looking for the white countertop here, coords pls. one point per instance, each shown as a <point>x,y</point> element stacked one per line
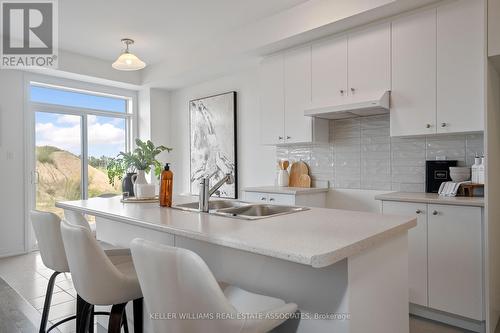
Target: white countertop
<point>431,198</point>
<point>317,237</point>
<point>286,190</point>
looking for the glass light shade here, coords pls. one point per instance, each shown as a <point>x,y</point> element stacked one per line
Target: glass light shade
<point>128,62</point>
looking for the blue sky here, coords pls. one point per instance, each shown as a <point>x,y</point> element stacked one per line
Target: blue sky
<point>106,135</point>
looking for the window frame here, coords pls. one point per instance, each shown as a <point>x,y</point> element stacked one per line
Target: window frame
<point>131,127</point>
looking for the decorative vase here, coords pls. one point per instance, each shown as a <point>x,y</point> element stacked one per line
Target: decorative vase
<point>283,178</point>
<point>142,189</point>
<point>127,185</point>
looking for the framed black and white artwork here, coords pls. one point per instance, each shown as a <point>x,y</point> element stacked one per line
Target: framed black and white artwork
<point>213,142</point>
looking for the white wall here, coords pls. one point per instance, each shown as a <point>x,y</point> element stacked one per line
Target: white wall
<point>256,163</point>
<point>11,162</point>
<point>492,198</point>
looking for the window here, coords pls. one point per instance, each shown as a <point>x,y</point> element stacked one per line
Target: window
<point>76,133</point>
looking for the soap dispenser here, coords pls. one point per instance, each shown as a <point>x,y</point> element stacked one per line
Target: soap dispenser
<point>166,186</point>
<point>475,169</point>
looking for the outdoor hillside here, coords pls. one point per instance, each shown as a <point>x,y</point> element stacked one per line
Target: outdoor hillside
<point>59,178</point>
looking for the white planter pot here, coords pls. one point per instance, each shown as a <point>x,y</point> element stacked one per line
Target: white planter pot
<point>142,189</point>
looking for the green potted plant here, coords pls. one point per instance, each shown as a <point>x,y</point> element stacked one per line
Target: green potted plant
<point>135,165</point>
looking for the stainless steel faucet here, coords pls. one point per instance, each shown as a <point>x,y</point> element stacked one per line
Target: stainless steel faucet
<point>206,192</point>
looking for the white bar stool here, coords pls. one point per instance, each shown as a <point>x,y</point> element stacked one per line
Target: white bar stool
<point>100,280</point>
<point>177,281</point>
<point>47,228</point>
<point>77,218</point>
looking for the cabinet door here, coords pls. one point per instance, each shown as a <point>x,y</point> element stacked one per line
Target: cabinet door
<point>272,100</point>
<point>298,128</point>
<point>460,66</point>
<point>256,197</point>
<point>369,63</point>
<point>413,95</point>
<point>329,72</point>
<point>417,247</point>
<point>455,260</point>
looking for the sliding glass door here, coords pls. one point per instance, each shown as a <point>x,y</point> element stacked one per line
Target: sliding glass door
<point>58,149</point>
<point>75,134</point>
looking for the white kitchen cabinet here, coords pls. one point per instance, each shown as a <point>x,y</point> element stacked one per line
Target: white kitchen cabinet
<point>460,66</point>
<point>413,95</point>
<point>297,76</point>
<point>286,196</point>
<point>272,100</point>
<point>417,247</point>
<point>456,260</point>
<point>285,81</point>
<point>342,71</point>
<point>329,72</point>
<point>369,63</point>
<point>438,70</point>
<point>445,258</point>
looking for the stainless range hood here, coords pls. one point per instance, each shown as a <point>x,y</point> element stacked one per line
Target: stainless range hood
<point>351,110</point>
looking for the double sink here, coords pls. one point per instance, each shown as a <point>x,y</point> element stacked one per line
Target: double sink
<point>241,209</point>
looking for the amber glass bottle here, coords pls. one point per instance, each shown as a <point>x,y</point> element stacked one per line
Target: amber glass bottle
<point>166,186</point>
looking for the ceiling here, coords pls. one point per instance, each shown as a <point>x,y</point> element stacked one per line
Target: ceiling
<point>162,29</point>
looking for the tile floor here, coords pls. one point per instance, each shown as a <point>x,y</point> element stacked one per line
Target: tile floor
<point>29,277</point>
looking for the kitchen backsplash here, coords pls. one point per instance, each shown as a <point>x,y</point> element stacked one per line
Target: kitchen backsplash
<point>362,155</point>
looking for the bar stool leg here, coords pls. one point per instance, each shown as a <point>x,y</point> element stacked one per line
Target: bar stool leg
<point>138,315</point>
<point>125,322</point>
<point>84,321</point>
<point>116,318</point>
<point>48,300</point>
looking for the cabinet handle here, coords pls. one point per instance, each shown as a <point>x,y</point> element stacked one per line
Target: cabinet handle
<point>263,198</point>
<point>444,124</point>
<point>428,125</point>
<point>280,138</point>
<point>288,137</point>
<point>342,92</point>
<point>353,90</point>
<point>418,211</point>
<point>435,212</point>
<point>271,199</point>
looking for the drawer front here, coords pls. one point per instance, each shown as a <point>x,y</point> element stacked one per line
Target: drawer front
<point>256,197</point>
<point>281,199</point>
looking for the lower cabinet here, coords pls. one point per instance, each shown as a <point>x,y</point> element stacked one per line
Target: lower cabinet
<point>316,199</point>
<point>417,248</point>
<point>445,257</point>
<point>456,260</point>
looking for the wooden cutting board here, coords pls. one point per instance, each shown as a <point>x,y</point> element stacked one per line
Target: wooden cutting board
<point>304,181</point>
<point>298,171</point>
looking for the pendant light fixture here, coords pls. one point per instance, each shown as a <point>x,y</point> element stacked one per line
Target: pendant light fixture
<point>128,61</point>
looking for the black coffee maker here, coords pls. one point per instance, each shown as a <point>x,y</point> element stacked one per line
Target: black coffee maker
<point>437,172</point>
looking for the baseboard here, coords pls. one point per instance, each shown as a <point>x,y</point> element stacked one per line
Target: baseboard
<point>448,318</point>
<point>12,254</point>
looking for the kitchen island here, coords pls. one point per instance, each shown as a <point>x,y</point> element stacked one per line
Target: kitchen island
<point>347,271</point>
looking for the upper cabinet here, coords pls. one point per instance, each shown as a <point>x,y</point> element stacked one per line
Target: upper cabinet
<point>438,70</point>
<point>285,83</point>
<point>460,66</point>
<point>272,100</point>
<point>351,68</point>
<point>369,62</point>
<point>413,95</point>
<point>432,61</point>
<point>329,72</point>
<point>297,76</point>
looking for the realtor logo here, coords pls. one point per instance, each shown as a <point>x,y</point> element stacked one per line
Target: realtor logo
<point>29,34</point>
